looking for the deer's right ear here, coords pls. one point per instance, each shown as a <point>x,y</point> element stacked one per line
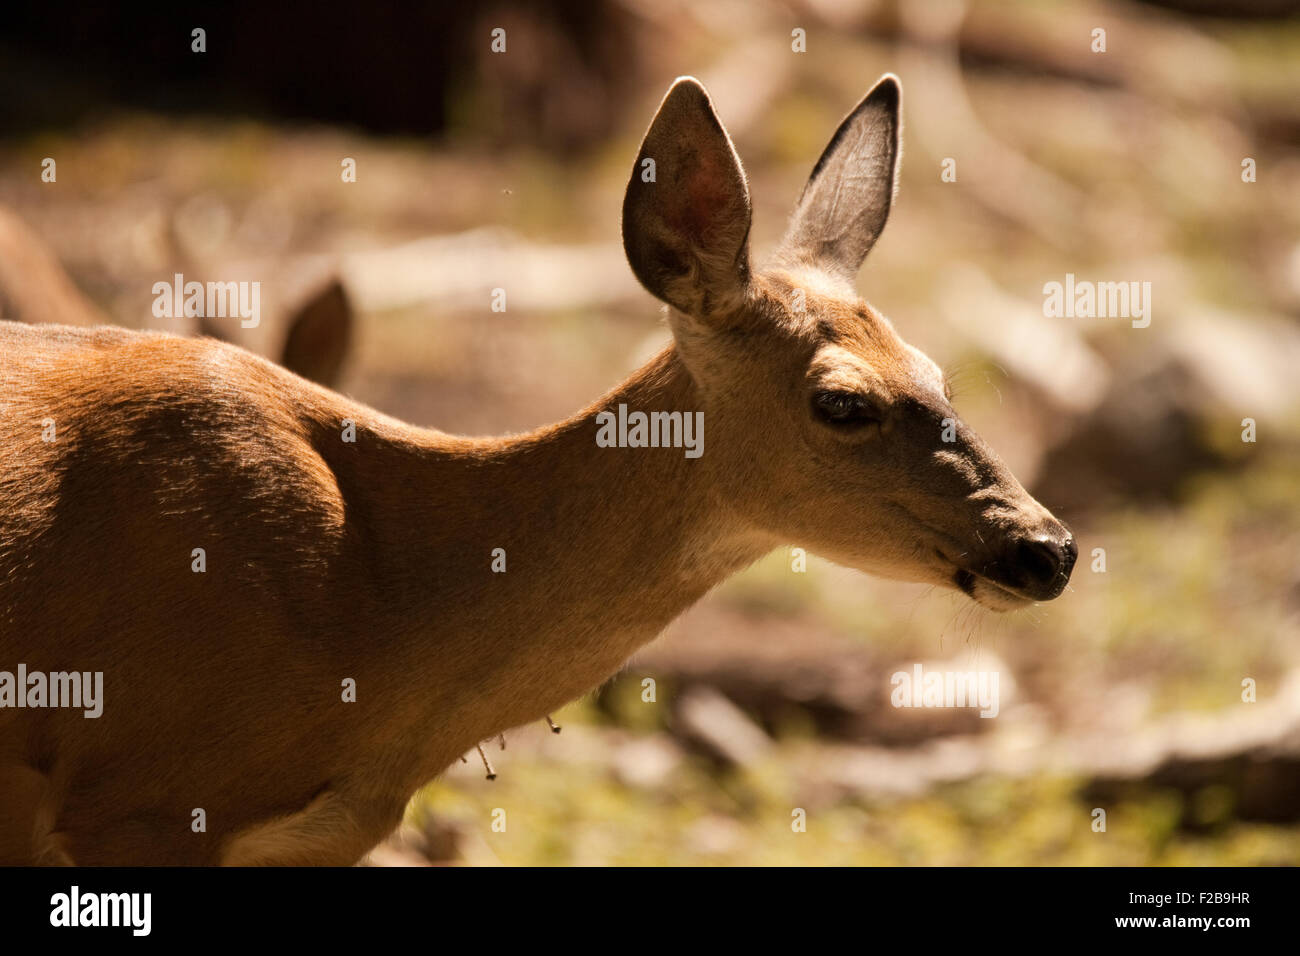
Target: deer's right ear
<point>686,214</point>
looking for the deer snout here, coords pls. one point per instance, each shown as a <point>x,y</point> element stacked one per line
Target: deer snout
<point>1039,565</point>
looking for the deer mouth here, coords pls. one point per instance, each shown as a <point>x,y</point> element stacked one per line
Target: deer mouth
<point>965,582</point>
<point>988,593</point>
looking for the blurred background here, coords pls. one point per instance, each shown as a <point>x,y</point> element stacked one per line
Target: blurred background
<point>1162,688</point>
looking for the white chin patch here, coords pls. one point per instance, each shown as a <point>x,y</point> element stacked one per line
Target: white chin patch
<point>989,595</point>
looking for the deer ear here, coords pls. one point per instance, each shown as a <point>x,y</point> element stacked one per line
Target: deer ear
<point>319,335</point>
<point>686,214</point>
<point>846,201</point>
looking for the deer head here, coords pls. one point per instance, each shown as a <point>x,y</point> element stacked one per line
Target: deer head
<point>825,428</point>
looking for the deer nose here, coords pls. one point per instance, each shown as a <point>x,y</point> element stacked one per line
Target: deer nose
<point>1040,566</point>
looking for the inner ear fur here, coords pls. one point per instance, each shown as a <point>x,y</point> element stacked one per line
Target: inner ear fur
<point>847,199</point>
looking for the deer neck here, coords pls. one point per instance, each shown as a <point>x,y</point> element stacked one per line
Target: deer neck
<point>601,548</point>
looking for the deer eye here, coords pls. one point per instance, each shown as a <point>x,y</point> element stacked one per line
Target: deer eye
<point>844,409</point>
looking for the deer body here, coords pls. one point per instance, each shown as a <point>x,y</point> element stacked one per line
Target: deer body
<point>324,560</point>
<point>373,560</point>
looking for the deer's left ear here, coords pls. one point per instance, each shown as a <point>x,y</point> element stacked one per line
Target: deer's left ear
<point>686,214</point>
<point>846,202</point>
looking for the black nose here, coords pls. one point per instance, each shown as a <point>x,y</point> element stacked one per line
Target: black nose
<point>1040,566</point>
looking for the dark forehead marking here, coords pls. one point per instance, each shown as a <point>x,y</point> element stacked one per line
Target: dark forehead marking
<point>840,319</point>
<point>858,322</point>
<point>845,320</point>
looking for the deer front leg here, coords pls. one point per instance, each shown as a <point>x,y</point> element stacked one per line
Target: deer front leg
<point>325,833</point>
<point>27,820</point>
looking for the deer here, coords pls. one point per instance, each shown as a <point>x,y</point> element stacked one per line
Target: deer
<point>313,339</point>
<point>454,587</point>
